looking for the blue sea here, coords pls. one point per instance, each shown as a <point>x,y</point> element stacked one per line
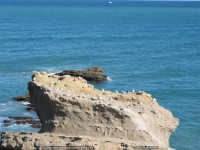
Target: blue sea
<point>150,46</point>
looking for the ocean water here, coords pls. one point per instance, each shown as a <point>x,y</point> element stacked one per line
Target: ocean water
<point>150,46</point>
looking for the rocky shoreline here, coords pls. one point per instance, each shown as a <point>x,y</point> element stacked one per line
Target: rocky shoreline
<point>74,113</point>
<point>35,123</point>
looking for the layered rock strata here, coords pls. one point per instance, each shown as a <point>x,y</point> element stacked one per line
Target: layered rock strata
<point>67,106</point>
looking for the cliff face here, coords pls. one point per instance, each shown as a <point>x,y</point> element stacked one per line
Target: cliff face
<point>69,106</point>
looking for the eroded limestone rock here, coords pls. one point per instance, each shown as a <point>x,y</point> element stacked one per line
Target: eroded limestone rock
<point>69,106</point>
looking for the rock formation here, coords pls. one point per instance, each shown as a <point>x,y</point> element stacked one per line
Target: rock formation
<point>74,113</point>
<point>25,97</point>
<point>93,74</point>
<point>35,123</point>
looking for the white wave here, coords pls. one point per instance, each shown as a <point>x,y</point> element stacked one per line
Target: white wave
<point>109,79</point>
<point>50,69</point>
<point>25,103</point>
<point>3,118</point>
<point>2,104</point>
<point>57,69</point>
<point>31,114</point>
<point>17,126</point>
<point>7,104</point>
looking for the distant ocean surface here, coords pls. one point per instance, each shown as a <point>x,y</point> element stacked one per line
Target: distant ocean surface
<point>150,46</point>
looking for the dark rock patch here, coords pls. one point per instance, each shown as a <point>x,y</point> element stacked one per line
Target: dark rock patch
<point>25,97</point>
<point>30,107</point>
<point>93,74</point>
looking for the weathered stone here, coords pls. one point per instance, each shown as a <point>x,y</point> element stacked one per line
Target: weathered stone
<point>39,141</point>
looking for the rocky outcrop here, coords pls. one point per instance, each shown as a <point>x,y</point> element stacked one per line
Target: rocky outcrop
<point>25,97</point>
<point>93,74</point>
<point>68,107</point>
